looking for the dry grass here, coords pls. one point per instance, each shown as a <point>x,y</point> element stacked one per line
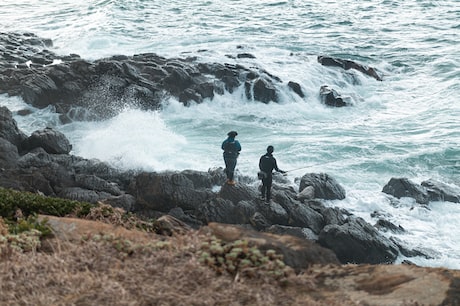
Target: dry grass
<point>105,270</point>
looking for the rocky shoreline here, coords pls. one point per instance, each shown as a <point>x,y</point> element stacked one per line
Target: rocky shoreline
<point>42,162</point>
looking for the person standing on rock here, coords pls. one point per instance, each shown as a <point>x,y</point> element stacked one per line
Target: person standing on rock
<point>231,149</point>
<point>267,164</point>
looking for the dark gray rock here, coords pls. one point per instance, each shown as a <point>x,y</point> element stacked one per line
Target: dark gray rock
<point>52,141</point>
<point>82,195</point>
<point>8,154</point>
<point>39,90</point>
<point>273,212</point>
<point>347,64</point>
<point>304,233</point>
<point>164,191</point>
<point>244,210</point>
<point>259,222</point>
<point>426,253</point>
<point>125,201</point>
<point>9,128</point>
<point>261,89</point>
<point>214,177</point>
<point>358,242</point>
<point>332,215</point>
<point>326,187</point>
<point>100,85</point>
<point>296,88</point>
<point>300,214</point>
<point>331,97</point>
<point>218,210</point>
<point>95,183</point>
<point>403,187</point>
<point>385,225</point>
<point>189,218</point>
<point>439,191</point>
<point>237,193</point>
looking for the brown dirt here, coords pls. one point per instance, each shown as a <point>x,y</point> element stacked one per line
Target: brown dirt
<point>70,270</point>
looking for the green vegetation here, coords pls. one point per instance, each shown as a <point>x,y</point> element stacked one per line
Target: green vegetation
<point>240,257</point>
<point>31,223</point>
<point>29,203</point>
<point>19,225</point>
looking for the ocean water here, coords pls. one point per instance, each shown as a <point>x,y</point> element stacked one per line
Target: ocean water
<point>405,126</point>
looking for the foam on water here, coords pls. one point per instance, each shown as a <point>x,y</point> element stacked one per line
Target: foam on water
<point>133,139</point>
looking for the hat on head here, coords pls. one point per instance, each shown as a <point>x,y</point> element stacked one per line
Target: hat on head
<point>232,133</point>
<point>270,149</point>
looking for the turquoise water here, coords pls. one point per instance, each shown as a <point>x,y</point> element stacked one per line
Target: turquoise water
<point>405,126</point>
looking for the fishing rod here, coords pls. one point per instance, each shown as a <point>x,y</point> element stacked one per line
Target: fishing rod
<point>297,169</point>
<point>320,164</point>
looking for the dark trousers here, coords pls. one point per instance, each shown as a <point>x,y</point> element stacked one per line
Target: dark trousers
<point>267,186</point>
<point>230,164</point>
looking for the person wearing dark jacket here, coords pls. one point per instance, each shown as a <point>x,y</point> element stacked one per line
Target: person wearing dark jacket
<point>267,164</point>
<point>231,149</point>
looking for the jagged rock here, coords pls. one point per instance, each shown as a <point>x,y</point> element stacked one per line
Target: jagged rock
<point>244,210</point>
<point>80,194</point>
<point>218,210</point>
<point>189,219</point>
<point>100,85</point>
<point>308,193</point>
<point>262,90</point>
<point>39,90</point>
<point>300,214</point>
<point>125,201</point>
<point>237,193</point>
<point>34,181</point>
<point>259,222</point>
<point>35,158</point>
<point>439,191</point>
<point>164,191</point>
<point>326,187</point>
<point>273,212</point>
<point>331,215</point>
<point>403,187</point>
<point>52,141</point>
<point>38,165</point>
<point>9,128</point>
<point>213,177</point>
<point>385,225</point>
<point>304,233</point>
<point>245,55</point>
<point>96,183</point>
<point>347,64</point>
<point>358,242</point>
<point>331,97</point>
<point>422,252</point>
<point>296,88</point>
<point>8,154</point>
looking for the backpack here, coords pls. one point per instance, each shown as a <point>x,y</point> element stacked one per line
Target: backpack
<point>230,147</point>
<point>266,163</point>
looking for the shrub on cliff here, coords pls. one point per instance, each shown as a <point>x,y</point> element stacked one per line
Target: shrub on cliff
<point>12,201</point>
